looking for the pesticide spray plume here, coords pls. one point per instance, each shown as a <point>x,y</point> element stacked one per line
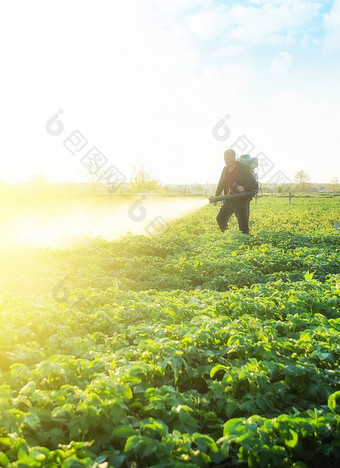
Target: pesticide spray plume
<point>79,223</point>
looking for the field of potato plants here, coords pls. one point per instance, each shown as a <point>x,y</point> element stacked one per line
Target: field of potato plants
<point>190,348</point>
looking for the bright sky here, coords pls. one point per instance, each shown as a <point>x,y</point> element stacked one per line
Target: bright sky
<point>150,82</point>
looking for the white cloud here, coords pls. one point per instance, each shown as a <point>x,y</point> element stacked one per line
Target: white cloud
<point>281,62</point>
<point>332,28</point>
<point>269,22</point>
<point>230,51</point>
<point>210,23</point>
<point>175,7</point>
<point>259,25</point>
<point>134,79</point>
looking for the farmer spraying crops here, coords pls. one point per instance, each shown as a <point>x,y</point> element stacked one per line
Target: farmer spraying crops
<point>239,183</point>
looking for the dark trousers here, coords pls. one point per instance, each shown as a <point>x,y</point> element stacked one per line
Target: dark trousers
<point>240,208</point>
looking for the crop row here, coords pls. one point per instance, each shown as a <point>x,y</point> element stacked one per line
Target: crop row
<point>190,348</point>
<point>149,376</point>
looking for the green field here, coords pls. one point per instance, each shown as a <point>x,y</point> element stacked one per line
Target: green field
<point>189,348</point>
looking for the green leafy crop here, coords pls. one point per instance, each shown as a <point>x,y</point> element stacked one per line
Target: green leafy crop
<point>189,349</point>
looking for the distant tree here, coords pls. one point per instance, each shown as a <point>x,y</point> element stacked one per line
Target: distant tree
<point>94,179</point>
<point>284,188</point>
<point>197,187</point>
<point>334,186</point>
<point>93,175</point>
<point>38,179</point>
<point>302,181</point>
<point>182,189</point>
<point>164,190</point>
<point>141,181</point>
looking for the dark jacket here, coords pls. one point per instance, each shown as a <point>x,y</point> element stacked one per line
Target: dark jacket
<point>245,177</point>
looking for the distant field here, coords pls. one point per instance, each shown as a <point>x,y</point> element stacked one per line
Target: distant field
<point>184,348</point>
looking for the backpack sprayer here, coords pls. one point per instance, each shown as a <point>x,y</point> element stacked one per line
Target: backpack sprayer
<point>252,164</point>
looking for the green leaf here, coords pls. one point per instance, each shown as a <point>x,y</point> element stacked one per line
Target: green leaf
<point>308,276</point>
<point>156,426</point>
<point>116,459</point>
<point>332,402</point>
<point>234,427</point>
<point>28,389</point>
<point>217,368</point>
<point>293,441</point>
<point>335,449</point>
<point>189,423</point>
<point>123,431</point>
<point>101,458</point>
<point>149,448</point>
<point>3,459</point>
<point>55,435</point>
<point>117,413</point>
<point>32,420</point>
<point>204,442</point>
<point>22,453</point>
<point>6,441</point>
<point>132,443</point>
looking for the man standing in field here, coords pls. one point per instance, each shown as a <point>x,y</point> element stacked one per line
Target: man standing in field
<point>236,177</point>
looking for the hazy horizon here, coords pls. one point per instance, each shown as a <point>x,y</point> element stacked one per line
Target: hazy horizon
<point>163,184</point>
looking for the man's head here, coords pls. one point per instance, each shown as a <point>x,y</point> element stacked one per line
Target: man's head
<point>229,157</point>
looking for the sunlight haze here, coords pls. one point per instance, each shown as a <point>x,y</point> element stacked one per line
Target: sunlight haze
<point>147,82</point>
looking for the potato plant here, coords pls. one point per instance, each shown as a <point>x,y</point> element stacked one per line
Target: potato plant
<point>187,349</point>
